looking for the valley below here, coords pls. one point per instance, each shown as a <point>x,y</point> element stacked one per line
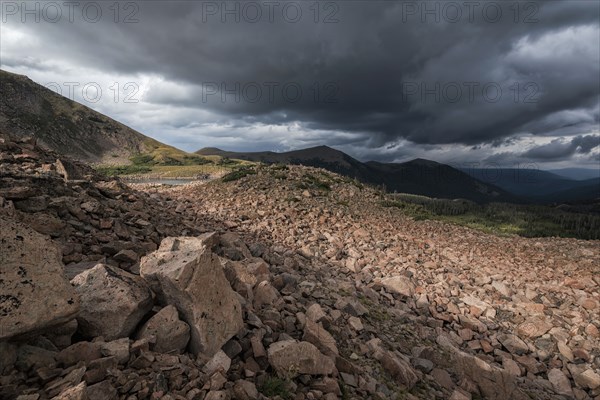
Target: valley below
<point>276,282</point>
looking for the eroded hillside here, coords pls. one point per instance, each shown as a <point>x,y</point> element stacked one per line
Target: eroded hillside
<point>70,128</point>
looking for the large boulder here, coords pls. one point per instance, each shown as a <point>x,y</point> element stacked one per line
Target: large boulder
<point>233,247</point>
<point>184,272</point>
<point>290,358</point>
<point>34,291</point>
<point>171,334</point>
<point>113,301</point>
<point>401,285</point>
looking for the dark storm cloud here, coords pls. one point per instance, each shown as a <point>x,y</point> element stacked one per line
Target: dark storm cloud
<point>383,71</point>
<point>559,149</point>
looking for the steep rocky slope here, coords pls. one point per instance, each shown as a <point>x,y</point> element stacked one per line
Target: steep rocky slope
<point>92,217</point>
<point>289,283</point>
<point>70,128</point>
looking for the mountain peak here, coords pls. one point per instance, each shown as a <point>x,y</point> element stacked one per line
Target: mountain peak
<point>321,147</point>
<point>424,162</point>
<point>210,149</point>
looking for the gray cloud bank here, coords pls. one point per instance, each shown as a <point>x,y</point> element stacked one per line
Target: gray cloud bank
<point>383,79</point>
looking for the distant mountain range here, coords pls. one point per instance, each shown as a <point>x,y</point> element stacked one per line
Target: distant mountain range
<point>423,177</point>
<point>433,179</point>
<point>578,174</point>
<point>540,186</point>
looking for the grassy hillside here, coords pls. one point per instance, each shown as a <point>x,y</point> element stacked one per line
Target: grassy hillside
<point>168,162</point>
<point>502,218</point>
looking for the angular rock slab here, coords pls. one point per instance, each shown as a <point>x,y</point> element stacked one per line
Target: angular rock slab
<point>560,382</point>
<point>493,382</point>
<point>78,392</point>
<point>290,358</point>
<point>401,285</point>
<point>184,272</point>
<point>113,301</point>
<point>172,334</point>
<point>315,333</point>
<point>398,368</point>
<point>513,344</point>
<point>35,294</point>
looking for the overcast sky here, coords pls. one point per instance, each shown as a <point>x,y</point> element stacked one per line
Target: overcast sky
<point>497,83</point>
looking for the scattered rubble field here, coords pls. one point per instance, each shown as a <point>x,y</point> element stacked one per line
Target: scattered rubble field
<point>284,283</point>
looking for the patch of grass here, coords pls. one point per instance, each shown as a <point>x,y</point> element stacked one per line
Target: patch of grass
<point>238,174</point>
<point>416,211</point>
<point>274,386</point>
<point>168,158</point>
<point>162,171</point>
<point>227,161</point>
<point>279,167</point>
<point>277,171</point>
<point>123,170</point>
<point>378,314</point>
<point>143,159</point>
<point>166,171</point>
<point>311,181</point>
<point>344,391</point>
<point>156,153</point>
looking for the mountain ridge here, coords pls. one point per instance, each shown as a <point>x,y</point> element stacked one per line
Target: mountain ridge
<point>419,176</point>
<point>537,185</point>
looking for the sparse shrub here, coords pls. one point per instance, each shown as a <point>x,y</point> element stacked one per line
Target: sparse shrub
<point>227,161</point>
<point>314,182</point>
<point>279,167</point>
<point>274,386</point>
<point>238,174</point>
<point>195,160</point>
<point>170,161</point>
<point>143,159</point>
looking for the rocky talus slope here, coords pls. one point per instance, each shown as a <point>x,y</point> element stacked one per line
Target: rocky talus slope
<point>286,284</point>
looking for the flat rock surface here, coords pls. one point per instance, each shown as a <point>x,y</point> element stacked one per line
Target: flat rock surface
<point>35,293</point>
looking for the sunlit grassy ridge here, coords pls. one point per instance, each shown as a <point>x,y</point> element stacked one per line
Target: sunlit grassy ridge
<point>164,161</point>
